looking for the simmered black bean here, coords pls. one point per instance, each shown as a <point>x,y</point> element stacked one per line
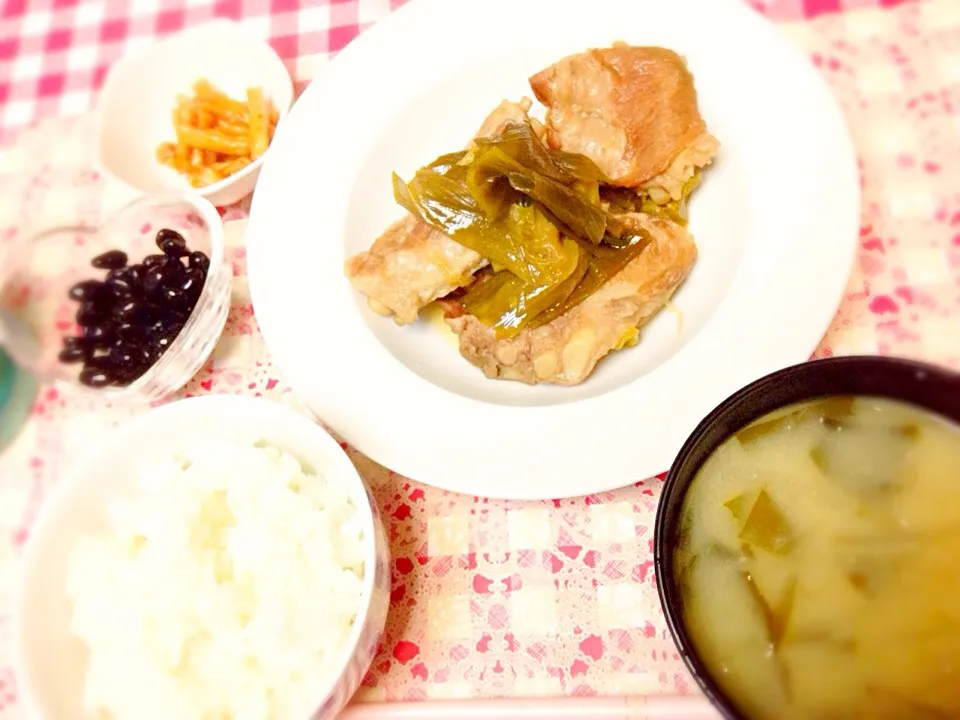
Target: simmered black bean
<point>84,290</point>
<point>173,271</point>
<point>199,260</point>
<point>89,313</point>
<point>192,283</point>
<point>72,355</point>
<point>74,343</point>
<point>126,312</point>
<point>99,335</point>
<point>166,340</point>
<point>110,260</point>
<point>171,243</point>
<point>144,316</point>
<point>133,316</point>
<point>174,296</point>
<point>135,275</point>
<point>96,377</point>
<point>152,281</point>
<point>129,334</point>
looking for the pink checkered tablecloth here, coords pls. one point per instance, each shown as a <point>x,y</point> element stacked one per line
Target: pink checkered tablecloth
<point>504,598</point>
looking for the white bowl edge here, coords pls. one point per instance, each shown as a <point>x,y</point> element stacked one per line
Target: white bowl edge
<point>241,183</point>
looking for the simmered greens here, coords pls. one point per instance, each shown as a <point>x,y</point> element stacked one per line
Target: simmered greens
<point>534,213</point>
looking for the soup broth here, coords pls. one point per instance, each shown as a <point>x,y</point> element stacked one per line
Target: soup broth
<point>819,563</point>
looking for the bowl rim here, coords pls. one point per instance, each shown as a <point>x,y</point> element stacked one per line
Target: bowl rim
<point>218,265</point>
<point>84,472</point>
<point>910,381</point>
<point>216,24</point>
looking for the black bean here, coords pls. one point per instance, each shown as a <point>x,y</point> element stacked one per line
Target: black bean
<point>116,297</point>
<point>171,243</point>
<point>105,297</point>
<point>129,334</point>
<point>100,335</point>
<point>172,249</point>
<point>192,284</point>
<point>157,328</point>
<point>126,312</point>
<point>73,342</point>
<point>110,260</point>
<point>167,233</point>
<point>72,355</point>
<point>174,297</point>
<point>199,260</point>
<point>129,362</point>
<point>90,313</point>
<point>135,275</point>
<point>166,340</point>
<point>95,376</point>
<point>152,281</point>
<point>143,316</point>
<point>151,260</point>
<point>119,280</point>
<point>84,290</point>
<point>173,272</point>
<point>121,358</point>
<point>143,356</point>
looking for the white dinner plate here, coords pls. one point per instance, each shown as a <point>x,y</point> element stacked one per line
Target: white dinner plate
<point>775,221</point>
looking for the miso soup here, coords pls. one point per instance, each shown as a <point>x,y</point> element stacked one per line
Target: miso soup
<point>819,563</point>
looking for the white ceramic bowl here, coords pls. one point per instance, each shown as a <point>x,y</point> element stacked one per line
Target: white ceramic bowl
<point>50,662</point>
<point>140,93</point>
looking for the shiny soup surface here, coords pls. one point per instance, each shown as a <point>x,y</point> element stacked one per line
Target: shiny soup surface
<point>819,563</point>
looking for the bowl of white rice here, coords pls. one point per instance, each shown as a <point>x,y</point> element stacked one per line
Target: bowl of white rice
<point>217,557</point>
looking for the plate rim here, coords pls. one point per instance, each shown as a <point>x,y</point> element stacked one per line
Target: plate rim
<point>485,474</point>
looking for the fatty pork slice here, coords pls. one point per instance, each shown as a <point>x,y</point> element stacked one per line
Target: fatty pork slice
<point>412,264</point>
<point>632,110</point>
<point>566,350</point>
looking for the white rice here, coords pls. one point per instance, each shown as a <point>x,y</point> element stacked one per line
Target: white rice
<point>226,590</point>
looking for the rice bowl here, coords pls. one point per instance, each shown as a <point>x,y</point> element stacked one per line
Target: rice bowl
<point>145,571</point>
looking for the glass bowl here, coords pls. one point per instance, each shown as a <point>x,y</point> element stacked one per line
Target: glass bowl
<point>39,310</point>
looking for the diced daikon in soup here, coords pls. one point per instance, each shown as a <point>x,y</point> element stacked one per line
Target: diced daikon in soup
<point>819,563</point>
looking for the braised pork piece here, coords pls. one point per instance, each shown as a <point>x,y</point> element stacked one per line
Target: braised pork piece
<point>566,350</point>
<point>550,245</point>
<point>412,264</point>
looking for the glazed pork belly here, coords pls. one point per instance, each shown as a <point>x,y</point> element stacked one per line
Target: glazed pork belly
<point>633,111</point>
<point>412,264</point>
<point>566,350</point>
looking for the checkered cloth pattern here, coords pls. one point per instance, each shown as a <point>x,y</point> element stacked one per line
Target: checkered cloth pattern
<point>510,598</point>
<point>54,54</point>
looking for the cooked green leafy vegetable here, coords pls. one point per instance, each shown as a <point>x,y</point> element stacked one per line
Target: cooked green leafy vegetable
<point>583,219</point>
<point>766,527</point>
<point>776,619</point>
<point>535,214</point>
<point>737,506</point>
<point>451,163</point>
<point>507,302</point>
<point>446,203</point>
<point>834,411</point>
<point>519,142</point>
<point>605,262</point>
